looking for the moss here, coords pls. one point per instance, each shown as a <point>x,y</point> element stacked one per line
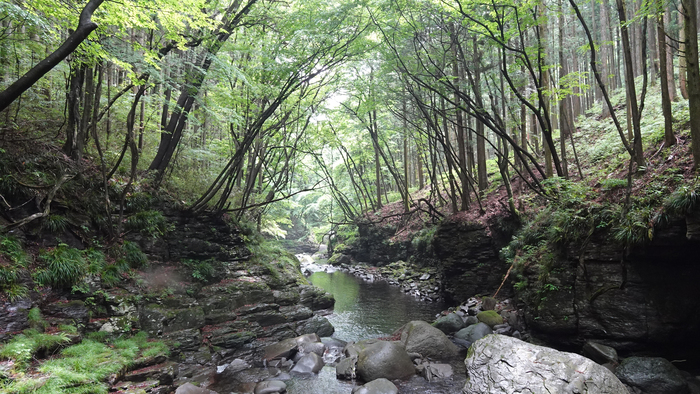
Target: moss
<point>492,318</point>
<point>84,368</point>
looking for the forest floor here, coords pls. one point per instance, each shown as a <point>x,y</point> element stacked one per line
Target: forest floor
<point>605,171</point>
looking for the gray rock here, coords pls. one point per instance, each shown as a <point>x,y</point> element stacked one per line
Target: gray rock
<point>270,387</point>
<point>281,349</point>
<point>600,353</point>
<point>499,364</point>
<point>434,371</point>
<point>377,386</point>
<point>488,303</point>
<point>381,359</point>
<point>312,347</point>
<point>653,375</point>
<point>310,363</point>
<point>316,325</point>
<point>470,320</point>
<point>74,310</point>
<point>333,343</point>
<point>315,298</point>
<point>420,337</point>
<point>449,324</point>
<point>308,338</point>
<point>283,376</point>
<point>234,366</point>
<point>189,388</point>
<point>345,370</point>
<point>474,332</point>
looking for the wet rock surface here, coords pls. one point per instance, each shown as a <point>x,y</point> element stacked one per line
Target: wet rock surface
<point>644,301</point>
<point>652,375</point>
<point>499,364</point>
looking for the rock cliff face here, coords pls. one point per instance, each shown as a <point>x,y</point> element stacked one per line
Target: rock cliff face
<point>465,255</point>
<point>648,298</point>
<point>641,299</point>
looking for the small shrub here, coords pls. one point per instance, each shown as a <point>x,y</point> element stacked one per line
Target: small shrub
<point>11,247</point>
<point>140,201</point>
<point>133,255</point>
<point>635,228</point>
<point>202,271</point>
<point>55,224</point>
<point>685,200</point>
<point>96,260</point>
<point>63,267</point>
<point>151,223</point>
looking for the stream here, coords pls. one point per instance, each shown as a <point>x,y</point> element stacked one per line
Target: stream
<point>364,310</point>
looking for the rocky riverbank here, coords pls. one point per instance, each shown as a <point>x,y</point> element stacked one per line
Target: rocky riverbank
<point>424,283</point>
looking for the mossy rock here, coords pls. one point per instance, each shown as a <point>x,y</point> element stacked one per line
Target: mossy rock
<point>491,318</point>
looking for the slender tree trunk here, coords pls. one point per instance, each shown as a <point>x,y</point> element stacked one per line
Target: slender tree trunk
<point>673,95</point>
<point>565,113</point>
<point>669,138</point>
<point>693,77</point>
<point>682,73</point>
<point>480,132</point>
<point>631,90</point>
<point>74,139</point>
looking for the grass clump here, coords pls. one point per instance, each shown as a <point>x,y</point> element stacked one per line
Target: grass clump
<point>63,266</point>
<point>85,367</point>
<point>23,347</point>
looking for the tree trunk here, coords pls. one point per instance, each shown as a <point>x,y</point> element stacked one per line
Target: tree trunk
<point>565,113</point>
<point>693,77</point>
<point>682,73</point>
<point>480,132</point>
<point>631,90</point>
<point>673,95</point>
<point>85,27</point>
<point>73,146</point>
<point>669,138</point>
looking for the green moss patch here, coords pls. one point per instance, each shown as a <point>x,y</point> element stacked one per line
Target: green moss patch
<point>81,368</point>
<point>492,318</point>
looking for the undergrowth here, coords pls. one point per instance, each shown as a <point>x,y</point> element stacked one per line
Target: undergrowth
<point>80,368</point>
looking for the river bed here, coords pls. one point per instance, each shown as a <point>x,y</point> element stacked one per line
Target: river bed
<point>363,310</point>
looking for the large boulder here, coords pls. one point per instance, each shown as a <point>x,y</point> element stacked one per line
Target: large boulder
<point>449,324</point>
<point>420,337</point>
<point>500,364</point>
<point>652,375</point>
<point>381,359</point>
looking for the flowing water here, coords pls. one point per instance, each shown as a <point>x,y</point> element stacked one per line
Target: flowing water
<point>367,310</point>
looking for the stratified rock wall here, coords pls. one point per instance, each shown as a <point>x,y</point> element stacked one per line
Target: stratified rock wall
<point>464,254</point>
<point>647,298</point>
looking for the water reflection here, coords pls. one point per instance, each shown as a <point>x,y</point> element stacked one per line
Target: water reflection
<point>370,309</point>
